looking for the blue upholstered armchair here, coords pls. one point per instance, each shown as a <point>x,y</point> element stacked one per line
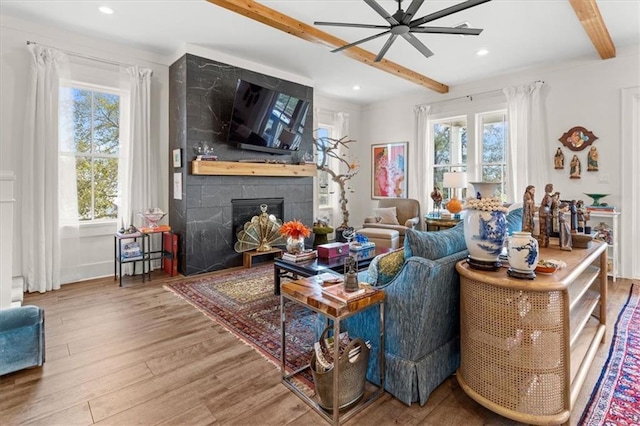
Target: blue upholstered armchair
<point>421,313</point>
<point>21,338</point>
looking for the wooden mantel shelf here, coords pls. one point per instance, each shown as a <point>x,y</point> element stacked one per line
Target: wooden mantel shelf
<point>231,168</point>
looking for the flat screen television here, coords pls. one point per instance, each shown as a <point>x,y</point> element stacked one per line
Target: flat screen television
<point>266,120</point>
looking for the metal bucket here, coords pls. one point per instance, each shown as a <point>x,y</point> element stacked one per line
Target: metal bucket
<point>351,381</point>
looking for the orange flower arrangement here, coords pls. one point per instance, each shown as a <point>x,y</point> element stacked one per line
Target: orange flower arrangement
<point>295,229</point>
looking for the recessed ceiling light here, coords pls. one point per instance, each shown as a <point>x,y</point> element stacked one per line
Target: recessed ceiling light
<point>106,10</point>
<point>356,87</point>
<point>482,52</point>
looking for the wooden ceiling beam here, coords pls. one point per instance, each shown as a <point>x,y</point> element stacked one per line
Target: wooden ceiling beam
<point>589,15</point>
<point>275,19</point>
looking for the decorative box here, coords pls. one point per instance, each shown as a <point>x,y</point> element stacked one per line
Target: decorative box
<point>333,250</point>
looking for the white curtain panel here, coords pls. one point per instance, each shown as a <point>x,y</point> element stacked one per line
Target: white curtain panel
<point>40,180</point>
<point>141,171</point>
<point>421,170</point>
<point>527,146</point>
<point>140,191</point>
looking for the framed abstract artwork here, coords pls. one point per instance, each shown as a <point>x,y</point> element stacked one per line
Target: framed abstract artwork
<point>389,170</point>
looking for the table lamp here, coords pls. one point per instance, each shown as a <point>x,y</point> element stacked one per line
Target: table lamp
<point>454,180</point>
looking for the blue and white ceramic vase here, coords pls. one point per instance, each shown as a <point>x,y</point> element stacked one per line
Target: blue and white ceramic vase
<point>523,253</point>
<point>485,233</point>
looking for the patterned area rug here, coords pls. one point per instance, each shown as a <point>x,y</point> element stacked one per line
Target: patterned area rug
<point>243,302</point>
<point>616,397</point>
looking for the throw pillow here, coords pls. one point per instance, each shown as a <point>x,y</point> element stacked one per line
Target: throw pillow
<point>387,215</point>
<point>514,220</point>
<point>435,245</point>
<point>385,267</point>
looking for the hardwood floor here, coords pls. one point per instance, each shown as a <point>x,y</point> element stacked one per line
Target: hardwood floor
<point>140,355</point>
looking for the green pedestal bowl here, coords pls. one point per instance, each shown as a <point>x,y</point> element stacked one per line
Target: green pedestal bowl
<point>596,198</point>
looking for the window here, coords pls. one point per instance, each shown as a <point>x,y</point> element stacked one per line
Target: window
<point>494,144</point>
<point>324,180</point>
<point>480,152</point>
<point>90,134</point>
<point>450,148</point>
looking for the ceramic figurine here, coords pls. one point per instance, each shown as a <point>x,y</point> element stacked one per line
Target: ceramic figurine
<point>576,168</point>
<point>565,231</point>
<point>558,159</point>
<point>555,213</point>
<point>573,208</point>
<point>592,160</point>
<point>544,215</point>
<point>436,196</point>
<point>583,216</point>
<point>528,206</point>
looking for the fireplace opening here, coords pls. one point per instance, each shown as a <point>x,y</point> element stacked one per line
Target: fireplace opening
<point>243,209</point>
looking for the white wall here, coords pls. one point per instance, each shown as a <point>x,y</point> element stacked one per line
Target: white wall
<point>97,241</point>
<point>580,93</point>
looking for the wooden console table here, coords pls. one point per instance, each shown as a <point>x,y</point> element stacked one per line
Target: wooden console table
<point>526,345</point>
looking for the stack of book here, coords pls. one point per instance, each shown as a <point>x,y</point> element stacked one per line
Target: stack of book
<point>131,251</point>
<point>207,157</point>
<point>338,293</point>
<point>602,209</point>
<point>362,246</point>
<point>299,257</point>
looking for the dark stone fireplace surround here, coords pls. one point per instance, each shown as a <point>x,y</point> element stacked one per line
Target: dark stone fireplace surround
<point>201,93</point>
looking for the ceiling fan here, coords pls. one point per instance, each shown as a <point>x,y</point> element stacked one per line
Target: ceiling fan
<point>402,24</point>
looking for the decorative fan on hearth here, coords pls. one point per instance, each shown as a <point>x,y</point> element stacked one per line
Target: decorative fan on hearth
<point>261,233</point>
<point>402,24</point>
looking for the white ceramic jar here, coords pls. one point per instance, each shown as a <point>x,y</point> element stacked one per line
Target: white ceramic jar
<point>523,253</point>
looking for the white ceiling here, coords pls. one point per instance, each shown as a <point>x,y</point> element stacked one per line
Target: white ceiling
<point>518,34</point>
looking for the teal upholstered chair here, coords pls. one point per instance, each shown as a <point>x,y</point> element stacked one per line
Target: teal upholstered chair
<point>21,338</point>
<point>421,313</point>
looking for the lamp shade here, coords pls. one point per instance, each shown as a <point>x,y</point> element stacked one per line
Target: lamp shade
<point>454,180</point>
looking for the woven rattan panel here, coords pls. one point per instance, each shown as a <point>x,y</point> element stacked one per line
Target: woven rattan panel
<point>518,346</point>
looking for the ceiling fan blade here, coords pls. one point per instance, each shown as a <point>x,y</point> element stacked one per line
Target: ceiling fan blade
<point>380,10</point>
<point>446,12</point>
<point>345,24</point>
<point>355,43</point>
<point>418,44</point>
<point>411,11</point>
<point>446,30</point>
<point>386,47</point>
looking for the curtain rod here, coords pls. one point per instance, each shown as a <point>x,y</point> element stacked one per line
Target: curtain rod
<point>80,55</point>
<point>470,97</point>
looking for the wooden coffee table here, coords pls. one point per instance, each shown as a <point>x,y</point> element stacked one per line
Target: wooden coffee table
<point>309,268</point>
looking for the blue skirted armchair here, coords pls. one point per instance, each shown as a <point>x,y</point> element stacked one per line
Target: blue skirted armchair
<point>21,338</point>
<point>421,313</point>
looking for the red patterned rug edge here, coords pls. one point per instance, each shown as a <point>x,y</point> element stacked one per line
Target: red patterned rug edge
<point>598,407</point>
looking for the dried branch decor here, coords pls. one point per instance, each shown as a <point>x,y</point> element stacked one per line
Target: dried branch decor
<point>330,148</point>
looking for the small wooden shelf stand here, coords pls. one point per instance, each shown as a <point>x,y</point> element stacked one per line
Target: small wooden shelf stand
<point>308,292</point>
<point>161,254</point>
<point>247,256</point>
